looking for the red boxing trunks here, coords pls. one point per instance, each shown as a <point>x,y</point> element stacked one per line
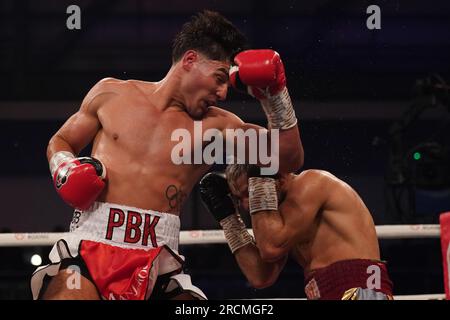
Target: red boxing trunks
<point>125,251</point>
<point>356,279</point>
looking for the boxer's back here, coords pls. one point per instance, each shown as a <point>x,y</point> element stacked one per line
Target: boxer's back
<point>343,228</point>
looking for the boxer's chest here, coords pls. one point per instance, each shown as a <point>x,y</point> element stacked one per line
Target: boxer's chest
<point>141,129</point>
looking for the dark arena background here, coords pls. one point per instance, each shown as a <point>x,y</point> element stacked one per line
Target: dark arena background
<point>373,108</point>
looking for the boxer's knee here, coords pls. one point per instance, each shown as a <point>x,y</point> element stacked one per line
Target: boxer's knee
<point>184,296</point>
<point>70,286</point>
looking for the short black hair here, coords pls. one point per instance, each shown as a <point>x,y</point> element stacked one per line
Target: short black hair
<point>211,34</point>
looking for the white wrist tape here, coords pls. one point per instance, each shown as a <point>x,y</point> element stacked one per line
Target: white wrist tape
<point>262,194</point>
<point>279,110</point>
<point>235,232</point>
<point>58,158</point>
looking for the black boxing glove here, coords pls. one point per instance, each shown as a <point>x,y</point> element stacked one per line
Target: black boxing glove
<point>215,194</point>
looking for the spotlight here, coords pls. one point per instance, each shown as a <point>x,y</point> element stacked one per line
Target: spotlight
<point>36,260</point>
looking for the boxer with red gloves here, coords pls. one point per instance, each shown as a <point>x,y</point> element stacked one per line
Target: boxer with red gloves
<point>128,194</point>
<point>261,73</point>
<point>79,181</point>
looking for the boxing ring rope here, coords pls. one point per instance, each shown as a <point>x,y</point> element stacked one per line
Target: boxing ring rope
<point>433,296</point>
<point>193,237</point>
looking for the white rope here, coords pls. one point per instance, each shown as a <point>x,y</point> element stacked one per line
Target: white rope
<point>434,296</point>
<point>216,236</point>
<point>408,231</point>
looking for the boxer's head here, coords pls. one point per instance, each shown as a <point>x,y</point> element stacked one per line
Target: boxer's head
<point>204,49</point>
<point>238,182</point>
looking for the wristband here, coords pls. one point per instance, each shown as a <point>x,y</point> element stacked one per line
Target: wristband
<point>262,194</point>
<point>58,158</point>
<point>235,232</point>
<point>279,111</point>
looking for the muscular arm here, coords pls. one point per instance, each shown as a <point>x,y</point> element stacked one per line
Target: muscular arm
<point>79,130</point>
<point>289,154</point>
<point>261,73</point>
<point>214,193</point>
<point>259,273</point>
<point>276,232</point>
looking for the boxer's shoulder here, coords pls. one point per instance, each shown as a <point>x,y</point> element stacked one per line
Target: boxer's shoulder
<point>219,112</point>
<point>109,84</point>
<point>107,88</point>
<point>224,118</point>
<point>103,88</point>
<point>321,182</point>
<point>145,86</point>
<point>313,174</point>
<point>101,92</point>
<point>313,177</point>
<point>118,86</point>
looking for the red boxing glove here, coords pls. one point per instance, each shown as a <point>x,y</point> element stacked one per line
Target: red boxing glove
<point>262,71</point>
<point>79,181</point>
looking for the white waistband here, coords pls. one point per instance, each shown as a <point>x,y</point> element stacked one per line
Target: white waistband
<point>126,226</point>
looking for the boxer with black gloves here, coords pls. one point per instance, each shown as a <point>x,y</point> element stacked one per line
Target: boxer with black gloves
<point>315,217</point>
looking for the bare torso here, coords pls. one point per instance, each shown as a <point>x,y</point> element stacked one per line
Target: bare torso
<point>134,143</point>
<point>342,229</point>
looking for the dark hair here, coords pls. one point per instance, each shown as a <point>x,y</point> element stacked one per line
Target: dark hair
<point>211,34</point>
